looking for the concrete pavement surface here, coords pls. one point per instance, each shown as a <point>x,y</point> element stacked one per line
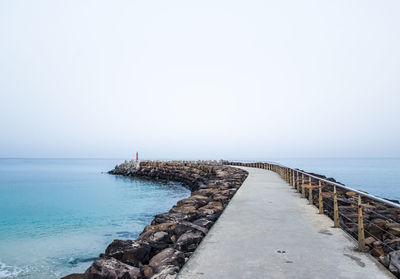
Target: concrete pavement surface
<point>268,231</point>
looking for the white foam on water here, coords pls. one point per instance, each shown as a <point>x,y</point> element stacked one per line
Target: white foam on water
<point>7,271</point>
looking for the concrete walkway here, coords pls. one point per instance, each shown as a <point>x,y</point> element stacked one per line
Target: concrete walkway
<point>267,231</point>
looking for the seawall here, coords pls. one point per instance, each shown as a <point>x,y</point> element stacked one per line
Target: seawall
<point>380,218</point>
<point>168,242</point>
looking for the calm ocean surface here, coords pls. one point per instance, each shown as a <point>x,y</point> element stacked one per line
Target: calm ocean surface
<point>56,215</point>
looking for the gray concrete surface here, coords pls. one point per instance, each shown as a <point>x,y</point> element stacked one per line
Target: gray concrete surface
<point>268,231</point>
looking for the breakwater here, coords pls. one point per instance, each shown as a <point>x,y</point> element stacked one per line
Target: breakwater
<point>373,222</point>
<point>169,241</point>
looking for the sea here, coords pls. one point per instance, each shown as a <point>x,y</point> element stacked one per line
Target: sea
<point>377,176</point>
<point>58,215</point>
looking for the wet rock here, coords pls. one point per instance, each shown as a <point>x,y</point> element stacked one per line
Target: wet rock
<point>183,227</point>
<point>194,200</point>
<point>187,209</point>
<point>394,231</point>
<point>375,228</point>
<point>203,222</point>
<point>174,217</point>
<point>165,227</point>
<point>167,257</point>
<point>112,269</point>
<point>188,241</point>
<point>168,272</point>
<point>156,239</point>
<point>128,251</point>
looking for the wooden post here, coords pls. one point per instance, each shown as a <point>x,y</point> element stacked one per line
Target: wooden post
<point>294,179</point>
<point>286,174</point>
<point>335,209</point>
<point>310,199</point>
<point>298,184</point>
<point>361,238</point>
<point>303,193</point>
<point>320,200</point>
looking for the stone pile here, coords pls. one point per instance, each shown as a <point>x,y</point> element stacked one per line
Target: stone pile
<point>168,242</point>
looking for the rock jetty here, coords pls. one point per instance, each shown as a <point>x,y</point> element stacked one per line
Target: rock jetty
<point>169,241</point>
<point>381,220</point>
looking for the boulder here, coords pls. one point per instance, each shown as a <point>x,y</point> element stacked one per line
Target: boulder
<point>128,251</point>
<point>165,226</point>
<point>376,228</point>
<point>168,272</point>
<point>186,209</point>
<point>165,258</point>
<point>173,217</point>
<point>188,241</point>
<point>194,200</point>
<point>203,222</point>
<point>183,227</point>
<point>110,268</point>
<point>156,239</point>
<point>211,208</point>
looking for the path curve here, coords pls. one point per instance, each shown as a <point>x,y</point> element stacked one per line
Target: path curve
<point>267,231</point>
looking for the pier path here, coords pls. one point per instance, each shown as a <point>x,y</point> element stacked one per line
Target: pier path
<point>267,231</point>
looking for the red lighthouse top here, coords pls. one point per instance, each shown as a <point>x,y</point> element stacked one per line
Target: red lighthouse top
<point>137,156</point>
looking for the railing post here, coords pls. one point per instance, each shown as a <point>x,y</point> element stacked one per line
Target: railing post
<point>303,194</point>
<point>320,201</point>
<point>335,209</point>
<point>310,197</point>
<point>361,238</point>
<point>298,184</point>
<point>294,180</point>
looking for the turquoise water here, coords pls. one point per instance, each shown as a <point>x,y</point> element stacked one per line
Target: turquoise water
<point>378,176</point>
<point>56,215</point>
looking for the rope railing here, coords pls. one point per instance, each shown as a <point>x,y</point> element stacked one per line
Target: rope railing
<point>372,221</point>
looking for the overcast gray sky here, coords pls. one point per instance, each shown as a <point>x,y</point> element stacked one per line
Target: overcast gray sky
<point>199,79</point>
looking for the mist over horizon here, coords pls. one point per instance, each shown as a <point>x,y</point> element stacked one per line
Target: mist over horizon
<point>205,80</point>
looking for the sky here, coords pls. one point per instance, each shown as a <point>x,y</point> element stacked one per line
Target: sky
<point>199,79</point>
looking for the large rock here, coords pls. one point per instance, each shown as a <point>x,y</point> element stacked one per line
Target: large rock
<point>174,217</point>
<point>194,200</point>
<point>156,239</point>
<point>168,272</point>
<point>164,226</point>
<point>130,252</point>
<point>112,269</point>
<point>183,227</point>
<point>203,222</point>
<point>188,241</point>
<point>211,208</point>
<point>165,258</point>
<point>186,209</point>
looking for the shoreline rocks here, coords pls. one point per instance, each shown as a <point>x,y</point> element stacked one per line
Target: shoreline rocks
<point>168,242</point>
